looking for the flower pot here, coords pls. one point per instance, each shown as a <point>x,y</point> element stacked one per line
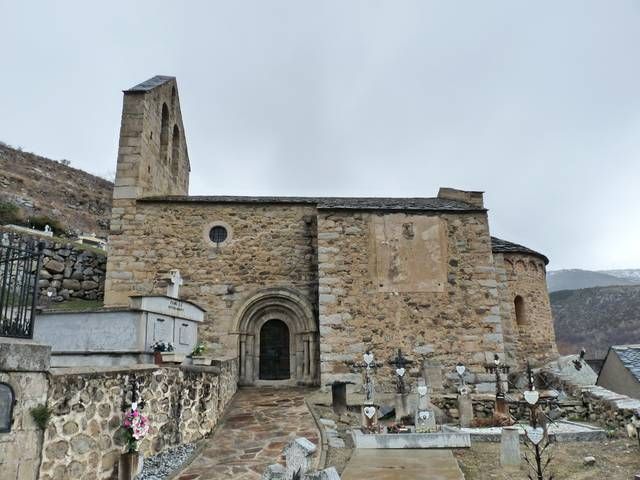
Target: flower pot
<point>200,360</point>
<point>130,465</point>
<point>172,357</point>
<point>157,358</point>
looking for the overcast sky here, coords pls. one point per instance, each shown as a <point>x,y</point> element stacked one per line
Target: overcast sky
<point>536,103</point>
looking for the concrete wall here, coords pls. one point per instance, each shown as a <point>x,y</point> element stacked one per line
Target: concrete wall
<point>454,318</point>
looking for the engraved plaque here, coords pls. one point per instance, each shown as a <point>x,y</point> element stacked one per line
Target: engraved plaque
<point>6,407</point>
<point>185,334</point>
<point>162,330</point>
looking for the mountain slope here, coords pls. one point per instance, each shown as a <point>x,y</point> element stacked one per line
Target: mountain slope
<point>575,278</point>
<point>596,318</point>
<point>628,273</point>
<point>38,186</point>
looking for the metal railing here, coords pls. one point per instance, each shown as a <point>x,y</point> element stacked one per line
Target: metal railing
<point>20,262</point>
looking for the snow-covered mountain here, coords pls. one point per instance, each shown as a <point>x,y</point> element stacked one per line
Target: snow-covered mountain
<point>628,273</point>
<point>575,279</point>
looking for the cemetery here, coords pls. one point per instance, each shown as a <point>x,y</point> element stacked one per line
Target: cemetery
<point>289,338</point>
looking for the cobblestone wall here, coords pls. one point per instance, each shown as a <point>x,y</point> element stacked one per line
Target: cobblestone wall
<point>83,439</point>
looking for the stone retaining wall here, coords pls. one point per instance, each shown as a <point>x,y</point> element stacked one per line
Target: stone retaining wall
<point>83,439</point>
<point>609,409</point>
<point>68,270</point>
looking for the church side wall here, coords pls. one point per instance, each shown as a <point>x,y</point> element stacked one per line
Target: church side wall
<point>529,335</point>
<point>269,246</point>
<point>359,312</point>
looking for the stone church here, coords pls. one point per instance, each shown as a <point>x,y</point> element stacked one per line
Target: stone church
<point>299,288</point>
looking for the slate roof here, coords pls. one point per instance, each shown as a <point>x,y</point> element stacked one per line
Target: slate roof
<point>502,246</point>
<point>629,355</point>
<point>150,84</point>
<point>336,203</point>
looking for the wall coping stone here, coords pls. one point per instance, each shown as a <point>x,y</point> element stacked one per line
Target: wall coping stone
<point>62,371</point>
<point>23,355</point>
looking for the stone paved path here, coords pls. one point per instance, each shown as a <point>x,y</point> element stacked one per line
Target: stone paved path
<point>258,423</point>
<point>372,464</point>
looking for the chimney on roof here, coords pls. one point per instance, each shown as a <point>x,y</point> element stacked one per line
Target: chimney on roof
<point>472,198</point>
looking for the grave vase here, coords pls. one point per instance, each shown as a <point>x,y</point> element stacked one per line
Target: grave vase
<point>130,465</point>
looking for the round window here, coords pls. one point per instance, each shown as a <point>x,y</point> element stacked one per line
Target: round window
<point>218,234</point>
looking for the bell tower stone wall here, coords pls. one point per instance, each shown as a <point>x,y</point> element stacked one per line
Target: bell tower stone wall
<point>153,160</point>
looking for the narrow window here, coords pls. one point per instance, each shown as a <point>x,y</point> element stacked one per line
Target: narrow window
<point>164,133</point>
<point>521,315</point>
<point>175,149</point>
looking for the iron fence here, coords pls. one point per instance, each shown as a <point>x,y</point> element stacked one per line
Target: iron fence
<point>20,262</point>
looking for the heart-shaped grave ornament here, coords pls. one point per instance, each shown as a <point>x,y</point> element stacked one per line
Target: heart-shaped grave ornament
<point>424,415</point>
<point>422,390</point>
<point>400,372</point>
<point>535,435</point>
<point>368,358</point>
<point>369,412</point>
<point>460,369</point>
<point>531,396</point>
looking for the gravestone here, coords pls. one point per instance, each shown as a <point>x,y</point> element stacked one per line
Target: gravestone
<point>370,417</point>
<point>465,405</point>
<point>425,418</point>
<point>274,472</point>
<point>465,409</point>
<point>327,474</point>
<point>401,399</point>
<point>175,282</point>
<point>298,457</point>
<point>510,447</point>
<point>339,396</point>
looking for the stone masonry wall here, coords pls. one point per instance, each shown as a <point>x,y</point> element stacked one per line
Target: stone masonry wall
<point>19,448</point>
<point>459,323</point>
<point>534,337</point>
<point>148,164</point>
<point>69,270</point>
<point>83,439</point>
<point>268,246</point>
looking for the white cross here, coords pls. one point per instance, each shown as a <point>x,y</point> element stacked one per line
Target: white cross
<point>173,289</point>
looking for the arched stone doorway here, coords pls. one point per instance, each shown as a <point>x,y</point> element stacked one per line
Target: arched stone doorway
<point>276,328</point>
